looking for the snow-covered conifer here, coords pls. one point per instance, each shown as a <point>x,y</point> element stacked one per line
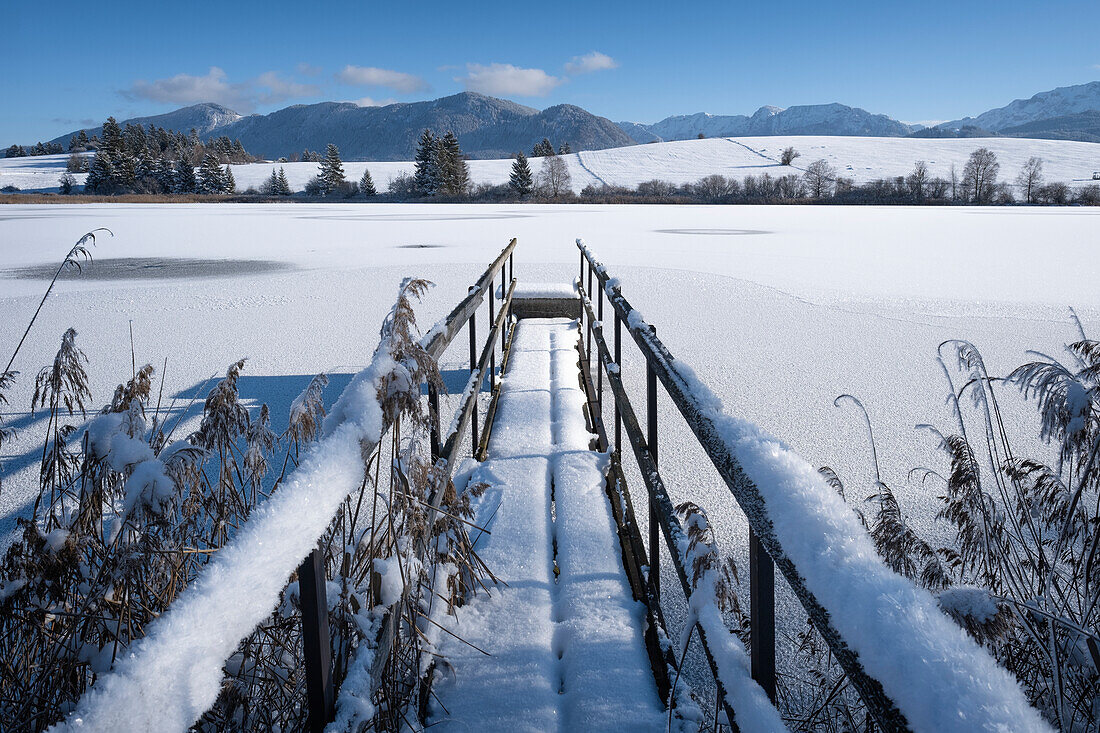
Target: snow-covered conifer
<point>427,178</point>
<point>520,181</point>
<point>366,184</point>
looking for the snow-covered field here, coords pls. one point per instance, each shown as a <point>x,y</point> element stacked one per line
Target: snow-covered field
<point>778,309</point>
<point>861,158</point>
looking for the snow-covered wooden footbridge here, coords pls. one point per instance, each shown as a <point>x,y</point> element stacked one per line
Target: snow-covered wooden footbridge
<point>567,632</point>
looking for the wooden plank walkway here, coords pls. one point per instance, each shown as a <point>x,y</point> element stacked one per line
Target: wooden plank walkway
<point>563,630</point>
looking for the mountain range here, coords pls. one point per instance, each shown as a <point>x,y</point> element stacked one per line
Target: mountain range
<point>489,127</point>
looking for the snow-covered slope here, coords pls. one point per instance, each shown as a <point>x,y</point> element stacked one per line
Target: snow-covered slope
<point>1044,105</point>
<point>684,161</point>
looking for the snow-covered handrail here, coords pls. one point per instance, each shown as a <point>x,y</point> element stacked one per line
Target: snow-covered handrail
<point>745,702</point>
<point>914,667</point>
<point>437,339</point>
<point>169,678</point>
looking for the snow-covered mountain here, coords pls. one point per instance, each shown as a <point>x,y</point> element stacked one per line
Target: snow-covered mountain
<point>487,127</point>
<point>204,118</point>
<point>813,119</point>
<point>1056,103</point>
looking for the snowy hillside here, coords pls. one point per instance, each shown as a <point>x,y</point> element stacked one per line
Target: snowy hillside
<point>860,158</point>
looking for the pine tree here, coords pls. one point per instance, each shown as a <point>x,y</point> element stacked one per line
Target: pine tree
<point>521,181</point>
<point>426,180</point>
<point>454,174</point>
<point>564,149</point>
<point>229,184</point>
<point>101,174</point>
<point>331,175</point>
<point>211,178</point>
<point>165,177</point>
<point>112,137</point>
<point>366,184</point>
<point>82,139</point>
<point>185,176</point>
<point>542,149</point>
<point>282,187</point>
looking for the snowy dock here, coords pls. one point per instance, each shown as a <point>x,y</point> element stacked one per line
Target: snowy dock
<point>573,636</point>
<point>564,634</point>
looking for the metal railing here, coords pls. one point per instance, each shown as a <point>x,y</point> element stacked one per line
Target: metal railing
<point>765,551</point>
<point>316,640</point>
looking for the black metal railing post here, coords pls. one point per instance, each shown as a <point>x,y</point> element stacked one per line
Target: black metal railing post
<point>599,358</point>
<point>651,444</point>
<point>762,616</point>
<point>619,364</point>
<point>492,348</point>
<point>477,387</point>
<point>588,292</point>
<point>433,414</point>
<point>316,642</point>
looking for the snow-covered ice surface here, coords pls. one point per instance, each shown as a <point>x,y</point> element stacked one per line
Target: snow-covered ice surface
<point>567,652</point>
<point>780,309</point>
<point>862,159</point>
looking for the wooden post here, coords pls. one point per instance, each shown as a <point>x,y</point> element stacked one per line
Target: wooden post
<point>316,642</point>
<point>651,444</point>
<point>762,616</point>
<point>477,386</point>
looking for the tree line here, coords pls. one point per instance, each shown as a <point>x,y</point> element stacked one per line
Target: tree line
<point>134,159</point>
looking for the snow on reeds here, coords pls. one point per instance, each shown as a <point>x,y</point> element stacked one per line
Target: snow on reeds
<point>154,581</point>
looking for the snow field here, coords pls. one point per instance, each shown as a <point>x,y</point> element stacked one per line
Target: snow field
<point>568,652</point>
<point>780,308</point>
<point>862,159</point>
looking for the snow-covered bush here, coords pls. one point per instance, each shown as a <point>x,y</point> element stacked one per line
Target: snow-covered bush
<point>1023,573</point>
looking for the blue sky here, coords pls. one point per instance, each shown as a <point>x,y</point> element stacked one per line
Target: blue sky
<point>68,65</point>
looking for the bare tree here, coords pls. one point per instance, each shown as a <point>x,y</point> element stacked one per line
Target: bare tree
<point>980,175</point>
<point>917,180</point>
<point>1030,178</point>
<point>714,188</point>
<point>820,177</point>
<point>554,179</point>
<point>954,183</point>
<point>788,155</point>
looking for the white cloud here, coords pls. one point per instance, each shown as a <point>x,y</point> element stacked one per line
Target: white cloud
<point>371,102</point>
<point>306,69</point>
<point>370,76</point>
<point>593,61</point>
<point>508,80</point>
<point>214,86</point>
<point>279,89</point>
